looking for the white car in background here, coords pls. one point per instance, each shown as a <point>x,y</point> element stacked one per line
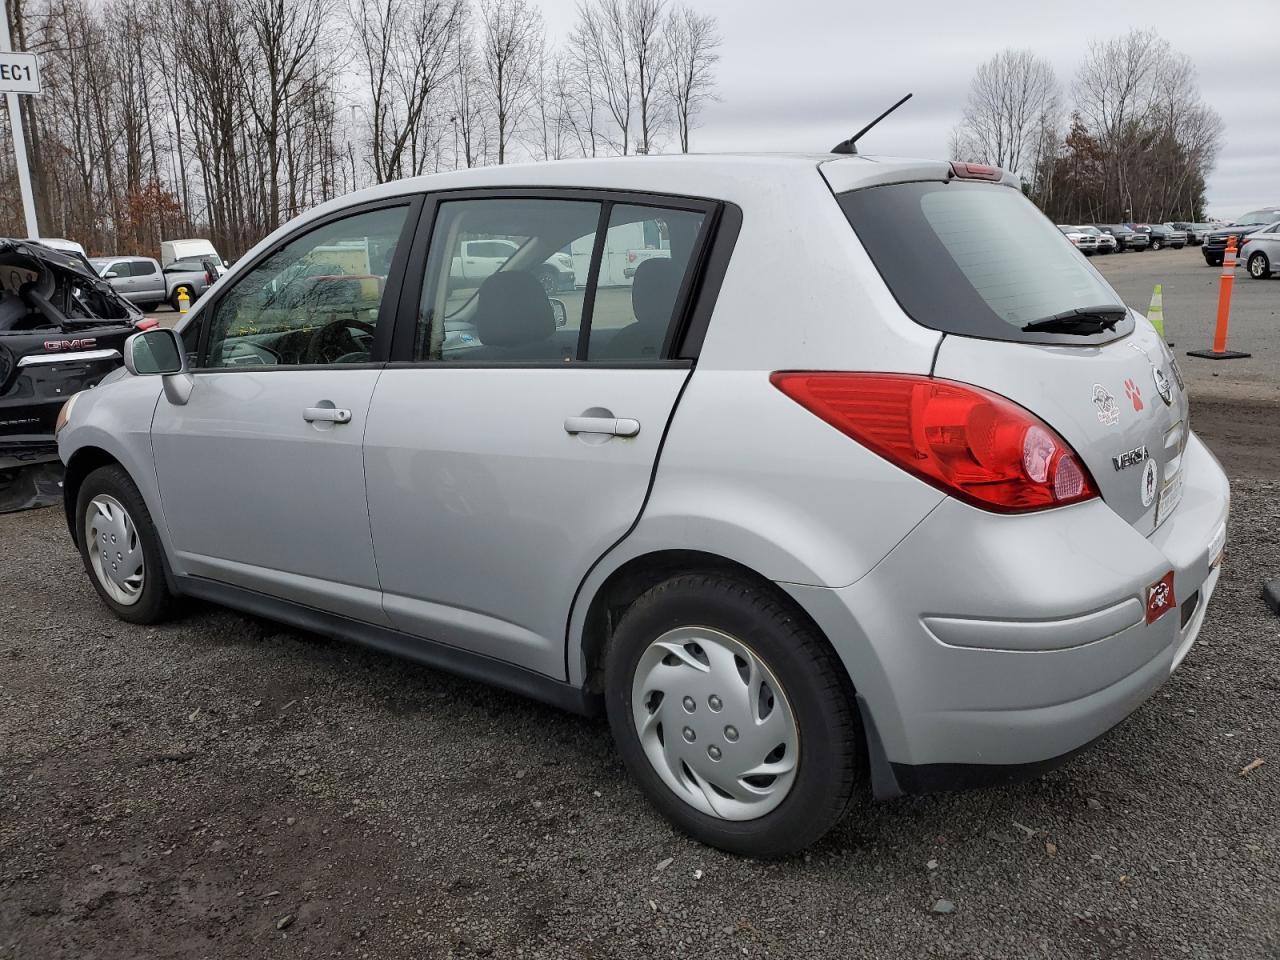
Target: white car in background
<point>1086,243</point>
<point>61,245</point>
<point>1261,252</point>
<point>1106,242</point>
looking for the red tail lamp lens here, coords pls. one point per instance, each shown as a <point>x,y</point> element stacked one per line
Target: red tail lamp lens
<point>973,444</point>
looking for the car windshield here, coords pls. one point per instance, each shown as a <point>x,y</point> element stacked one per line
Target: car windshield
<point>994,262</point>
<point>1259,216</point>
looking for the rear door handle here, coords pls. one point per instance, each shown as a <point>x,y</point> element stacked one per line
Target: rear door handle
<point>614,426</point>
<point>326,415</point>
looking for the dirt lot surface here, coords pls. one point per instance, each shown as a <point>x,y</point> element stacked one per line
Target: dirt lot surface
<point>221,787</point>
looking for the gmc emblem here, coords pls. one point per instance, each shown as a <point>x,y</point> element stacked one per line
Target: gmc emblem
<point>88,343</point>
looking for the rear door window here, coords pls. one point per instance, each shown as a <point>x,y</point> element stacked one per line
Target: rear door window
<point>564,291</point>
<point>976,260</point>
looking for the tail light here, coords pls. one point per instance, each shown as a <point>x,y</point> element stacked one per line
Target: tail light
<point>970,443</point>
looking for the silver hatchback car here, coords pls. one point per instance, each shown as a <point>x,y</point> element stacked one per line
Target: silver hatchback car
<point>800,516</point>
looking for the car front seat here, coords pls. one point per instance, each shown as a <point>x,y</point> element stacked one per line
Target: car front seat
<point>514,320</point>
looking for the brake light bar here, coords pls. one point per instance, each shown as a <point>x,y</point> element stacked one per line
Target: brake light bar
<point>976,171</point>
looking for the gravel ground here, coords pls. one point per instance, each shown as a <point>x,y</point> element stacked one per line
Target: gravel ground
<point>223,787</point>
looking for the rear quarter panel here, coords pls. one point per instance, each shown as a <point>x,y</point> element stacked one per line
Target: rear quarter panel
<point>748,474</point>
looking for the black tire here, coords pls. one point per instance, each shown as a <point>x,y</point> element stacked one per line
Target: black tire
<point>1259,266</point>
<point>156,601</point>
<point>832,745</point>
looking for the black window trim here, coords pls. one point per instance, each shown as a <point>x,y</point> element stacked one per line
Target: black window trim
<point>385,325</point>
<point>694,303</point>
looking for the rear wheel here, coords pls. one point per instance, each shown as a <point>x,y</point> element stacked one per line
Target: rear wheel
<point>120,548</point>
<point>1259,266</point>
<point>737,719</point>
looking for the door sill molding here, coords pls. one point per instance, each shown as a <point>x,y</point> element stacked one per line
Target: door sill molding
<point>464,663</point>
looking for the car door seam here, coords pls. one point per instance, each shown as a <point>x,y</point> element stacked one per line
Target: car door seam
<point>653,475</point>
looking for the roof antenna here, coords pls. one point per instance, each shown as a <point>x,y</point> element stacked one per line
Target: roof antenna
<point>851,145</point>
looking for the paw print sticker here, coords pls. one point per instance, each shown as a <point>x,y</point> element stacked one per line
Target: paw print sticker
<point>1133,393</point>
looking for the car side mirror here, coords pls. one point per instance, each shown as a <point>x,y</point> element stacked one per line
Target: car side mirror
<point>110,275</point>
<point>159,352</point>
<point>559,311</point>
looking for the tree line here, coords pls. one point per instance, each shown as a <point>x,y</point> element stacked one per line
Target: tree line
<point>1132,140</point>
<point>225,118</point>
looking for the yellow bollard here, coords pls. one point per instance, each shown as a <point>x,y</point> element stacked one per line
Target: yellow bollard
<point>184,301</point>
<point>1155,312</point>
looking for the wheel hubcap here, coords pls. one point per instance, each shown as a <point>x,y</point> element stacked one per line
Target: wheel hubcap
<point>715,723</point>
<point>115,551</point>
<point>1257,266</point>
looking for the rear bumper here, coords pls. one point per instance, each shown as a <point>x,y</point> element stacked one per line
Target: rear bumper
<point>1009,643</point>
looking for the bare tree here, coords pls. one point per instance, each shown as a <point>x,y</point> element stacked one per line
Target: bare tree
<point>511,44</point>
<point>408,51</point>
<point>468,117</point>
<point>287,34</point>
<point>647,50</point>
<point>1013,100</point>
<point>600,41</point>
<point>691,43</point>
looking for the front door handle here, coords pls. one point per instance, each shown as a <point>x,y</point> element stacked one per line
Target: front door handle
<point>614,426</point>
<point>326,415</point>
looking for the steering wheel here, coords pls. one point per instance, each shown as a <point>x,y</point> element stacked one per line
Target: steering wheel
<point>333,343</point>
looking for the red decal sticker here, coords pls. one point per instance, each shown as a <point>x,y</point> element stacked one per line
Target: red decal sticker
<point>1160,598</point>
<point>1133,393</point>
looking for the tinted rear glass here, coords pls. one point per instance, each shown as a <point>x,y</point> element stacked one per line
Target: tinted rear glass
<point>975,259</point>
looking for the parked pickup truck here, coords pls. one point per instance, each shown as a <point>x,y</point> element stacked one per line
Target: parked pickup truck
<point>141,280</point>
<point>1215,241</point>
<point>482,258</point>
<point>61,331</point>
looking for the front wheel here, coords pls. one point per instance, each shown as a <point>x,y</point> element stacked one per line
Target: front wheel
<point>120,548</point>
<point>1156,244</point>
<point>737,719</point>
<point>1259,266</point>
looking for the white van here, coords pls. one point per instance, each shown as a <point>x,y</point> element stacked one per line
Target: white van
<point>171,250</point>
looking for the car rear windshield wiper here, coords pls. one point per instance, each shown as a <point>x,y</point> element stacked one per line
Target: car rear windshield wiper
<point>1082,320</point>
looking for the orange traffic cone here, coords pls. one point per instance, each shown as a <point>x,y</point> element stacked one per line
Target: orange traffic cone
<point>1220,351</point>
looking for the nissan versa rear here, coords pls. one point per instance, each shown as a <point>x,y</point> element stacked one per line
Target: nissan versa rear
<point>823,476</point>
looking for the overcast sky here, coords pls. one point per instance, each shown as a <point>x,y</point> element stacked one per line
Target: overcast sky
<point>805,74</point>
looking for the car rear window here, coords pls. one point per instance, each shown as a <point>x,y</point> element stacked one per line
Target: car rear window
<point>975,259</point>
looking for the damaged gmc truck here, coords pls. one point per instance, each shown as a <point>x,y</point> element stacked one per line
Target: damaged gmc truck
<point>62,329</point>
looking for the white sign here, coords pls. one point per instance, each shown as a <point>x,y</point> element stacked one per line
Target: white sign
<point>19,73</point>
